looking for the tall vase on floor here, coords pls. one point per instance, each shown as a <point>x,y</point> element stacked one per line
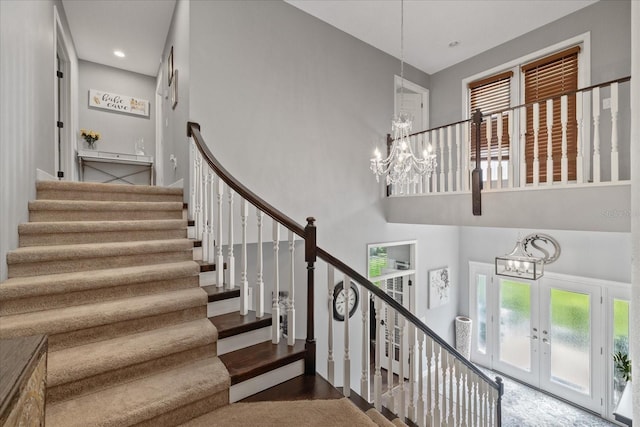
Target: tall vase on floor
<point>463,336</point>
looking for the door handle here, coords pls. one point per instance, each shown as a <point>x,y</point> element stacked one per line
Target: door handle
<point>535,337</point>
<point>545,340</point>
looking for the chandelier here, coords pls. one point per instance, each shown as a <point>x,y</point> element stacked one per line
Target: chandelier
<point>521,263</point>
<point>402,166</point>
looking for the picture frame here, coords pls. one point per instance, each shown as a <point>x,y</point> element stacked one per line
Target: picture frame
<point>174,91</point>
<point>170,71</point>
<point>439,287</point>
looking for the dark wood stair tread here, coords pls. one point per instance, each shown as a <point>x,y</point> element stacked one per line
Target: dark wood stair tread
<point>218,294</point>
<point>249,362</point>
<point>206,266</point>
<point>191,223</point>
<point>231,324</point>
<point>196,243</point>
<point>302,387</point>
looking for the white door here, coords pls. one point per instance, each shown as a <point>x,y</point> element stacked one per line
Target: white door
<point>397,288</point>
<point>412,105</point>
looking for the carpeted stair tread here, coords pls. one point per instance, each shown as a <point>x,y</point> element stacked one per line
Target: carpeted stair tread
<point>144,399</point>
<point>378,418</point>
<point>78,232</point>
<point>92,315</point>
<point>89,210</point>
<point>68,190</point>
<point>38,260</point>
<point>88,360</point>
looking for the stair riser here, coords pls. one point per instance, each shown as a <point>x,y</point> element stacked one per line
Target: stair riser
<point>126,374</point>
<point>103,215</point>
<point>72,338</point>
<point>106,196</point>
<point>69,299</point>
<point>236,342</point>
<point>188,412</point>
<point>25,269</point>
<point>102,237</point>
<point>217,308</point>
<point>267,380</point>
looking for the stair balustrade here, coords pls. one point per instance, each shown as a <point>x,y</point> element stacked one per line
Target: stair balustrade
<point>437,387</point>
<point>596,158</point>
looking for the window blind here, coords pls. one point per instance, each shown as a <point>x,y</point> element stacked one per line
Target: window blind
<point>543,79</point>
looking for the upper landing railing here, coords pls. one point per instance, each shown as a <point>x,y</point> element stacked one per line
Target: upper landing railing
<point>575,138</point>
<point>437,387</point>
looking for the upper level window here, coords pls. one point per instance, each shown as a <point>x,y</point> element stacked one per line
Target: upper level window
<point>543,79</point>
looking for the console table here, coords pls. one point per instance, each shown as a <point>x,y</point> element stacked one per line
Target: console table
<point>107,167</point>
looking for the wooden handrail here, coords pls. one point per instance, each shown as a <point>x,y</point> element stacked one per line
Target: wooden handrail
<point>193,130</point>
<point>529,104</point>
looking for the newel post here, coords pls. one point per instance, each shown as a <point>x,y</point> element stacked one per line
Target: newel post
<point>476,175</point>
<point>310,253</point>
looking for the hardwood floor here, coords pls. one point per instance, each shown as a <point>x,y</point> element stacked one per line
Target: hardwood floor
<point>304,387</point>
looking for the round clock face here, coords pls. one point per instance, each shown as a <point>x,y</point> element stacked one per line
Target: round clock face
<point>342,304</point>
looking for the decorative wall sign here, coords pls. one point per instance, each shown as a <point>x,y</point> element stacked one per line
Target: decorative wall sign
<point>439,287</point>
<point>170,67</point>
<point>120,103</point>
<point>174,90</point>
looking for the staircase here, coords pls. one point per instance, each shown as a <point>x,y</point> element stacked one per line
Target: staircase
<point>107,272</point>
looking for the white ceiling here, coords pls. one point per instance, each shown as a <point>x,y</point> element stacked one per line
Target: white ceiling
<point>429,26</point>
<point>137,27</point>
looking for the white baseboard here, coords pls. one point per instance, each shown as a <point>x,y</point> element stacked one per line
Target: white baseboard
<point>178,184</point>
<point>236,342</point>
<point>191,232</point>
<point>44,176</point>
<point>262,382</point>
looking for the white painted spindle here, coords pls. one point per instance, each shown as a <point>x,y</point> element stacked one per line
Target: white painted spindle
<point>470,399</point>
<point>346,375</point>
<point>291,308</point>
<point>411,339</point>
<point>615,167</point>
<point>206,212</point>
<point>536,147</point>
<point>523,146</point>
<point>244,280</point>
<point>450,153</point>
<point>390,356</point>
<point>401,376</point>
<point>330,359</point>
<point>564,118</point>
<point>364,377</point>
<point>452,408</point>
<point>467,156</point>
<point>463,391</point>
<point>596,134</point>
<point>511,161</point>
<point>275,305</point>
<point>489,128</point>
<point>192,178</point>
<point>499,132</point>
<point>549,141</point>
<point>219,256</point>
<point>429,409</point>
<point>458,157</point>
<point>259,288</point>
<point>421,413</point>
<point>457,366</point>
<point>231,259</point>
<point>580,125</point>
<point>442,175</point>
<point>436,405</point>
<point>377,376</point>
<point>198,207</point>
<point>209,215</point>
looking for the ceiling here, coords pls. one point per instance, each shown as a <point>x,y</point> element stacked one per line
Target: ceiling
<point>136,27</point>
<point>139,27</point>
<point>429,26</point>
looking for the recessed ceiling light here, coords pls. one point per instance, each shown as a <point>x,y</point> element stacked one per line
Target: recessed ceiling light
<point>119,53</point>
<point>454,43</point>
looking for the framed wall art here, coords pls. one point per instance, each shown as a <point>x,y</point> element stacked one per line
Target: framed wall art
<point>439,287</point>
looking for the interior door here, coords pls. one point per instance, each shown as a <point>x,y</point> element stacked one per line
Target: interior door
<point>412,105</point>
<point>398,289</point>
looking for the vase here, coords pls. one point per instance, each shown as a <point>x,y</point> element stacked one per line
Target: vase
<point>463,335</point>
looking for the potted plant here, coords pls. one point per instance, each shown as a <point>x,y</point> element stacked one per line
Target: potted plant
<point>623,365</point>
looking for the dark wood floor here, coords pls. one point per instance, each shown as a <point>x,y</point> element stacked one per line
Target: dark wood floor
<point>304,387</point>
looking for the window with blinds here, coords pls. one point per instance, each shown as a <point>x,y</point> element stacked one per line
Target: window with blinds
<point>490,95</point>
<point>543,79</point>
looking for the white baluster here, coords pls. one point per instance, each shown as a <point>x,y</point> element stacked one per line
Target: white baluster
<point>364,378</point>
<point>259,288</point>
<point>275,307</point>
<point>436,405</point>
<point>192,179</point>
<point>564,118</point>
<point>209,215</point>
<point>549,141</point>
<point>444,362</point>
<point>491,406</point>
<point>464,387</point>
<point>489,127</point>
<point>596,134</point>
<point>206,208</point>
<point>467,156</point>
<point>536,147</point>
<point>346,380</point>
<point>478,407</point>
<point>580,125</point>
<point>458,158</point>
<point>470,400</point>
<point>377,377</point>
<point>523,146</point>
<point>391,352</point>
<point>450,152</point>
<point>429,353</point>
<point>511,162</point>
<point>421,148</point>
<point>291,308</point>
<point>451,386</point>
<point>330,360</point>
<point>615,168</point>
<point>198,207</point>
<point>421,413</point>
<point>458,374</point>
<point>244,282</point>
<point>499,132</point>
<point>411,409</point>
<point>231,259</point>
<point>442,176</point>
<point>219,256</point>
<point>401,403</point>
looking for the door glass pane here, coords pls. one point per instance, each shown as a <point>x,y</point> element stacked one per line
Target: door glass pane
<point>570,339</point>
<point>515,324</point>
<point>620,343</point>
<point>481,292</point>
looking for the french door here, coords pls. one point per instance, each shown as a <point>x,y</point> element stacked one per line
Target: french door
<point>546,333</point>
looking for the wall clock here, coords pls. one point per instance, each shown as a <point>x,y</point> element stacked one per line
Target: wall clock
<point>340,303</point>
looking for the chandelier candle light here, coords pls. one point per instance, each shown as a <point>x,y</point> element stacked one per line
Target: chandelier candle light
<point>401,165</point>
<point>522,264</point>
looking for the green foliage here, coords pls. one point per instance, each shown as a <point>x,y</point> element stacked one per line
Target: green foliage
<point>623,364</point>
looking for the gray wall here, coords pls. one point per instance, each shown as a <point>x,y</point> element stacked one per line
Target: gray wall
<point>119,131</point>
<point>294,108</point>
<point>27,54</point>
<point>596,255</point>
<point>174,130</point>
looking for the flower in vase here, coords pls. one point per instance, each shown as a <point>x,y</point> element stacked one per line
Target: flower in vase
<point>90,136</point>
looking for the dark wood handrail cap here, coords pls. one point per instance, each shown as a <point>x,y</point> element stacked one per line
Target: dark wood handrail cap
<point>310,220</point>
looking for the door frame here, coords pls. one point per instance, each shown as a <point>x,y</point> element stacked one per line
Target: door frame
<point>397,83</point>
<point>158,164</point>
<point>62,48</point>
